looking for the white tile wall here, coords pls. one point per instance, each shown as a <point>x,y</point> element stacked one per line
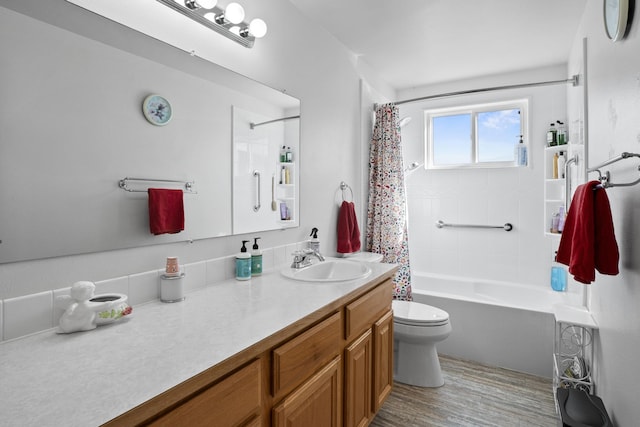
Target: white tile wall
<point>38,312</point>
<point>28,314</point>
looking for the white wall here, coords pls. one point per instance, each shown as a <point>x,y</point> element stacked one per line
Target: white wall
<point>295,56</point>
<point>614,107</point>
<point>483,196</point>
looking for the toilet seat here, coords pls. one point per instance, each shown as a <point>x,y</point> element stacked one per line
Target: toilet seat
<point>416,314</point>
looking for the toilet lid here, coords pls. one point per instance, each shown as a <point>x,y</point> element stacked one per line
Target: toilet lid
<point>413,313</point>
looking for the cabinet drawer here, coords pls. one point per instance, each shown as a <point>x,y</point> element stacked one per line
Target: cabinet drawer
<point>301,357</point>
<point>235,401</point>
<point>363,312</point>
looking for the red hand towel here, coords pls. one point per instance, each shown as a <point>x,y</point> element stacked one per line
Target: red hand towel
<point>588,241</point>
<point>166,211</point>
<point>348,231</point>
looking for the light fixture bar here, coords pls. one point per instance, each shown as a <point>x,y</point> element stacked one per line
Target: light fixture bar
<point>224,29</point>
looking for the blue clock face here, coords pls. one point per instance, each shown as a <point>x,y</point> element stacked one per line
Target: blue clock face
<point>157,110</point>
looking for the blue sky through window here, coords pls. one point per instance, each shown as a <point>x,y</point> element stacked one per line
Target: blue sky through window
<point>452,139</point>
<point>498,132</point>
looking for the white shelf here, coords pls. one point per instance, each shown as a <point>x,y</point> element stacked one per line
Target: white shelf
<point>575,315</point>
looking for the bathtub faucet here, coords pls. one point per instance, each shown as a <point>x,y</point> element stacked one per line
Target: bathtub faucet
<point>303,258</point>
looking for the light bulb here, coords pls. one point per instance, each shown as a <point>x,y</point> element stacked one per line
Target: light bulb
<point>234,13</point>
<point>235,30</point>
<point>207,4</point>
<point>258,28</point>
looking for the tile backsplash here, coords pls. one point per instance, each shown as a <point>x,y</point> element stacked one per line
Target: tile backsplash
<point>29,314</point>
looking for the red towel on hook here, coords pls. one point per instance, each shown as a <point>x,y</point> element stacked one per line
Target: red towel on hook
<point>348,230</point>
<point>588,242</point>
<point>166,211</point>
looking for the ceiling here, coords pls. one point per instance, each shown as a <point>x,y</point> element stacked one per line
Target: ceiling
<point>412,43</point>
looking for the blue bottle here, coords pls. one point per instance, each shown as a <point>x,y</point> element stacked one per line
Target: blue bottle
<point>558,276</point>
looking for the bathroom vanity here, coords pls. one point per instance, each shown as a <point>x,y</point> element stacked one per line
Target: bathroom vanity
<point>271,351</point>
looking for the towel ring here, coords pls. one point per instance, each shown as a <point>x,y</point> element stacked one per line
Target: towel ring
<point>344,186</point>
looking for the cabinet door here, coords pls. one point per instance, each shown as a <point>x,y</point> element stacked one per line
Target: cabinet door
<point>383,359</point>
<point>235,401</point>
<point>316,403</point>
<point>357,388</point>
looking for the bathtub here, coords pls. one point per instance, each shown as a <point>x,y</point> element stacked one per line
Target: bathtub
<point>495,323</point>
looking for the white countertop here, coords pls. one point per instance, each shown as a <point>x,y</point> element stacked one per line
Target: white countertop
<point>88,378</point>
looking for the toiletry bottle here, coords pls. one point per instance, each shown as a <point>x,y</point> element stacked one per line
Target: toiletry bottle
<point>558,276</point>
<point>289,155</point>
<point>561,219</point>
<point>283,154</point>
<point>562,133</point>
<point>314,243</point>
<point>552,135</point>
<point>256,259</point>
<point>521,153</point>
<point>243,263</point>
<point>562,160</point>
<point>287,176</point>
<point>555,166</point>
<point>283,175</point>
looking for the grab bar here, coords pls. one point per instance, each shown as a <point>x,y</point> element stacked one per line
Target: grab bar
<point>257,206</point>
<point>605,179</point>
<point>567,182</point>
<point>506,227</point>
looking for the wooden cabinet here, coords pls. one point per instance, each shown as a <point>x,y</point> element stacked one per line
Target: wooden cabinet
<point>317,403</point>
<point>331,368</point>
<point>358,370</point>
<point>299,358</point>
<point>235,401</point>
<point>383,359</point>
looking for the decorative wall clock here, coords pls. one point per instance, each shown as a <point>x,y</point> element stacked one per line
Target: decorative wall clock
<point>157,110</point>
<point>616,14</point>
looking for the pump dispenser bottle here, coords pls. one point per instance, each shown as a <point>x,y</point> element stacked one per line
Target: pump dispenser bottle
<point>521,153</point>
<point>256,258</point>
<point>314,243</point>
<point>243,263</point>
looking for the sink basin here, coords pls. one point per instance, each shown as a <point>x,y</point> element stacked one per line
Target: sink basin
<point>329,271</point>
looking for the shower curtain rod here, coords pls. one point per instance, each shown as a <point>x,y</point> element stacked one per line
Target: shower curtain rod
<point>573,80</point>
<point>252,125</point>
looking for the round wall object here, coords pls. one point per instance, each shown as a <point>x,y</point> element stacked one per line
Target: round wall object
<point>616,15</point>
<point>157,110</point>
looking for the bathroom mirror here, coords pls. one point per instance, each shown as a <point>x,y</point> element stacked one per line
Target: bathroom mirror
<point>72,126</point>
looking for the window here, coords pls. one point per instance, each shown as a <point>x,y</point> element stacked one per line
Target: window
<point>475,136</point>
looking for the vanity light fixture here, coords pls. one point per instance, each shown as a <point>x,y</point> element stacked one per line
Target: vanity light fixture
<point>228,21</point>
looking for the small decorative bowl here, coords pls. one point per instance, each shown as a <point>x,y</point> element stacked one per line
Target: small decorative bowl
<point>110,307</point>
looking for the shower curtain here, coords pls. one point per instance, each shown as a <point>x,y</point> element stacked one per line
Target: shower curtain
<point>386,214</point>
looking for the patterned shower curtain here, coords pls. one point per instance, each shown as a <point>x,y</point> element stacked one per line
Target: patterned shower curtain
<point>386,215</point>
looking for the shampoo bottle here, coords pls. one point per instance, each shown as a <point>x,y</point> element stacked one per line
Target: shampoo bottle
<point>558,276</point>
<point>314,243</point>
<point>256,259</point>
<point>552,135</point>
<point>562,160</point>
<point>243,263</point>
<point>521,153</point>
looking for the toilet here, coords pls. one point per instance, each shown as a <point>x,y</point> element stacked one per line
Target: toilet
<point>416,330</point>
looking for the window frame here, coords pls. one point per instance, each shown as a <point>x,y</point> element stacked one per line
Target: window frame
<point>473,110</point>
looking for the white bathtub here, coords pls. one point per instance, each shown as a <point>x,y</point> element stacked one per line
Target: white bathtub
<point>495,323</point>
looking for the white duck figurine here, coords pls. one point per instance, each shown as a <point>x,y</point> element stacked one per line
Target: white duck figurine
<point>80,313</point>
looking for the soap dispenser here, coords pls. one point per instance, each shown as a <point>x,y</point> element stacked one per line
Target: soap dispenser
<point>314,243</point>
<point>521,153</point>
<point>256,258</point>
<point>243,263</point>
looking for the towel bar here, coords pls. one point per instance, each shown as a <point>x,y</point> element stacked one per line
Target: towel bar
<point>188,186</point>
<point>506,227</point>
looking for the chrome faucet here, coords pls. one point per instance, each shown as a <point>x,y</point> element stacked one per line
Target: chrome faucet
<point>302,258</point>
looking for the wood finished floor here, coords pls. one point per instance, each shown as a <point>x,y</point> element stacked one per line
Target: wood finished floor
<point>473,395</point>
